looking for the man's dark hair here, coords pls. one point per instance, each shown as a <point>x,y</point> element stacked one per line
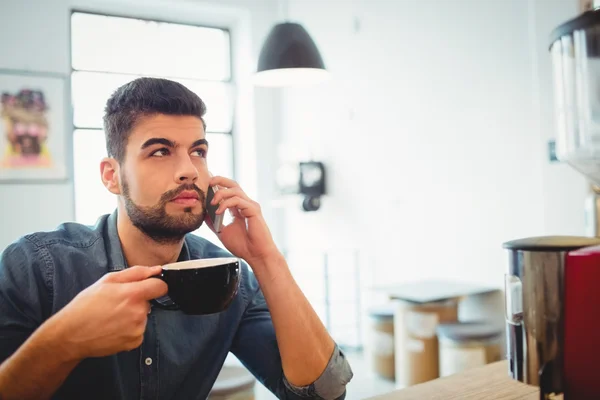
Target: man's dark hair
<point>145,97</point>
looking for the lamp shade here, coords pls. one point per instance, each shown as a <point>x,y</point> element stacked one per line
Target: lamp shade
<point>289,57</point>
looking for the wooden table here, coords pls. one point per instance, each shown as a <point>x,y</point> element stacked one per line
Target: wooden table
<point>489,382</point>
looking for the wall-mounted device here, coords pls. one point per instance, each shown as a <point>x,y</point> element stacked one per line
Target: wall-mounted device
<point>306,178</point>
<point>312,184</point>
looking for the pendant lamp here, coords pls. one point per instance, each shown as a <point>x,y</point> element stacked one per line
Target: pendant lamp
<point>289,57</point>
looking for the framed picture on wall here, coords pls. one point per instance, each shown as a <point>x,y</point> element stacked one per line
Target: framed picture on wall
<point>33,134</point>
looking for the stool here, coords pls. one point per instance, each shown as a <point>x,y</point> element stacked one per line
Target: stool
<point>382,341</point>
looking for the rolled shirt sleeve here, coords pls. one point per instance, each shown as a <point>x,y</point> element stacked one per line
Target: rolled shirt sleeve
<point>332,382</point>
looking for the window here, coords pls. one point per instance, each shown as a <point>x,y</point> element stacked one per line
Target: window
<point>109,51</point>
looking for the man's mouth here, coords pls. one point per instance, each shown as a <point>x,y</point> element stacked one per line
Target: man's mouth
<point>187,198</point>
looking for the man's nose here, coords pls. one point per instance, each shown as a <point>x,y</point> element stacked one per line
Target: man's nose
<point>186,171</point>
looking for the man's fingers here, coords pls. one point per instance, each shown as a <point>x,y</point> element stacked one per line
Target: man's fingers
<point>244,208</point>
<point>133,274</point>
<point>235,213</point>
<point>224,182</point>
<point>224,194</point>
<point>149,289</point>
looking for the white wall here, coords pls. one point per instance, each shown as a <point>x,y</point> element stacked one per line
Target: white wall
<point>434,133</point>
<point>44,46</point>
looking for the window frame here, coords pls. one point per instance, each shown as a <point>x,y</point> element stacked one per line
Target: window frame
<point>232,77</point>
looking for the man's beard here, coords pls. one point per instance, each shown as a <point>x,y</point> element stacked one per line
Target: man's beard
<point>156,223</point>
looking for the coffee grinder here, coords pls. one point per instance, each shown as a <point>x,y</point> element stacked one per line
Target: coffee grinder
<point>552,286</point>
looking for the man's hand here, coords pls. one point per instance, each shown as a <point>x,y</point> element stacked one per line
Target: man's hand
<point>248,236</point>
<point>106,318</point>
<point>110,316</point>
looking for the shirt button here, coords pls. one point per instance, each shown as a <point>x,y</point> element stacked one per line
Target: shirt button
<point>148,361</point>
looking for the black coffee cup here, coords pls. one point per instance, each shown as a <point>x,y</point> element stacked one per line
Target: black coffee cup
<point>200,287</point>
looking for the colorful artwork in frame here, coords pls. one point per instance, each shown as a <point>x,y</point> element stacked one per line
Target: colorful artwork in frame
<point>33,133</point>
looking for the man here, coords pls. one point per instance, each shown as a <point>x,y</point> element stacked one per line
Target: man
<point>75,316</point>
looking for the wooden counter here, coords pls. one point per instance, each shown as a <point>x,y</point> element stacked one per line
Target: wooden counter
<point>489,382</point>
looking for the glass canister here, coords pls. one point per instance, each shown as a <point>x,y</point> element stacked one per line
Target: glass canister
<point>575,51</point>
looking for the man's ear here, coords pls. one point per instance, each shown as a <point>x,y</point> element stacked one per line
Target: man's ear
<point>109,171</point>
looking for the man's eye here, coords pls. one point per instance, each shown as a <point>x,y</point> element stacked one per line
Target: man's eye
<point>200,153</point>
<point>160,153</point>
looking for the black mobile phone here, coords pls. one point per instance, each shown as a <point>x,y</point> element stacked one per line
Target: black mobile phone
<point>214,219</point>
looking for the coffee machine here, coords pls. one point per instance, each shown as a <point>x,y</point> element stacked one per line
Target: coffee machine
<point>552,292</point>
<point>552,286</point>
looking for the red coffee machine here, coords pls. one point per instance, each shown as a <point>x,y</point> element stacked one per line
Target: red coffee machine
<point>553,283</point>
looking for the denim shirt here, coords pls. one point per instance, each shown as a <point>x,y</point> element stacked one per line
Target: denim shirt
<point>181,355</point>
